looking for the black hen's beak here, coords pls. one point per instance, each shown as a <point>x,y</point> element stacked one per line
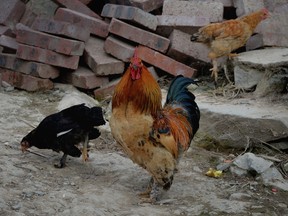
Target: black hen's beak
<point>24,145</point>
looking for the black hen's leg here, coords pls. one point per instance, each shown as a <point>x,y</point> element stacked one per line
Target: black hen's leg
<point>62,162</point>
<point>85,148</point>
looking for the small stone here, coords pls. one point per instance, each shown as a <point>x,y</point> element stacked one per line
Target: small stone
<point>240,196</point>
<point>16,206</point>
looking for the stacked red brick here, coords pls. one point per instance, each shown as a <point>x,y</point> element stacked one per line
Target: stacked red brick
<point>15,71</point>
<point>105,43</point>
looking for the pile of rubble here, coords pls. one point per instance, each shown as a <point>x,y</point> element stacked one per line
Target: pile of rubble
<point>90,49</point>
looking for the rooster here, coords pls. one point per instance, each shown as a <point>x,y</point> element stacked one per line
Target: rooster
<point>64,130</point>
<point>152,136</point>
<point>225,37</point>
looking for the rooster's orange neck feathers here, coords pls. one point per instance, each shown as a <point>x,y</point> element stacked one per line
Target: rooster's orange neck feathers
<point>139,88</point>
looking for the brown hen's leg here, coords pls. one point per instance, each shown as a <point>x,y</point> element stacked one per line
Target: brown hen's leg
<point>231,55</point>
<point>214,70</point>
<point>84,150</point>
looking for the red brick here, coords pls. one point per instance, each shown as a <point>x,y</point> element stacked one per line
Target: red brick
<point>138,35</point>
<point>95,26</point>
<point>28,17</point>
<point>118,48</point>
<point>165,63</point>
<point>78,6</point>
<point>130,13</point>
<point>5,30</point>
<point>99,61</point>
<point>61,28</point>
<point>106,90</point>
<point>28,36</point>
<point>26,82</point>
<point>188,24</point>
<point>10,61</point>
<point>85,78</point>
<point>86,2</point>
<point>8,42</point>
<point>11,11</point>
<point>181,46</point>
<point>46,56</point>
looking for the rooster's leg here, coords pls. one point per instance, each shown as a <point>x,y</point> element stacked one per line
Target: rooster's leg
<point>154,193</point>
<point>85,151</point>
<point>214,70</point>
<point>62,162</point>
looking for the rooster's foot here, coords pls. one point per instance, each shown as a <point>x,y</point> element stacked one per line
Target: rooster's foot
<point>85,155</point>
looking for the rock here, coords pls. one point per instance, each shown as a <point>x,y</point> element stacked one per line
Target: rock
<point>272,177</point>
<point>228,130</point>
<point>16,206</point>
<point>249,162</point>
<point>223,166</point>
<point>250,67</point>
<point>240,196</point>
<point>273,81</point>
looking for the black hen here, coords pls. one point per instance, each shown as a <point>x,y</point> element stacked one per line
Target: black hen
<point>64,130</point>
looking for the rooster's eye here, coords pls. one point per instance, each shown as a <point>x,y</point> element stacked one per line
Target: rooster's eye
<point>163,130</point>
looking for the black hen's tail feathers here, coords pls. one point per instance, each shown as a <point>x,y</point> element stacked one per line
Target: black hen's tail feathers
<point>179,94</point>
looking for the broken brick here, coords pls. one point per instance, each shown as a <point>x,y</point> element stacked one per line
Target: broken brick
<point>99,61</point>
<point>85,78</point>
<point>118,48</point>
<point>182,47</point>
<point>47,56</point>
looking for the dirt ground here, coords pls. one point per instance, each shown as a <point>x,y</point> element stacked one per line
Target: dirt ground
<point>109,182</point>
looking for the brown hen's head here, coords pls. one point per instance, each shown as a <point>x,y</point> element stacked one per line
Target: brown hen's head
<point>265,13</point>
<point>135,66</point>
